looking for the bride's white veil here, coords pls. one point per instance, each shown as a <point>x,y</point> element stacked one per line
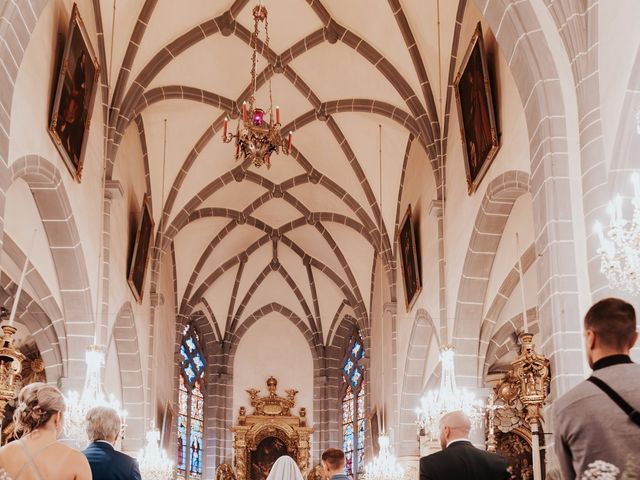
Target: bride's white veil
<point>285,468</point>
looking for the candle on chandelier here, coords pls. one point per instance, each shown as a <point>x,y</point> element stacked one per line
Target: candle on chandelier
<point>597,227</point>
<point>611,210</point>
<point>635,180</point>
<point>244,111</point>
<point>226,127</point>
<point>289,142</point>
<point>618,202</point>
<point>277,114</point>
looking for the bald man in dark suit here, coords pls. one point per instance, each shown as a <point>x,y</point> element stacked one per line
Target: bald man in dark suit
<point>459,459</point>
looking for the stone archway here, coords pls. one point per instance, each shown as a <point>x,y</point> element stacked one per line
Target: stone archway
<point>422,335</point>
<point>125,337</point>
<point>525,47</point>
<point>51,199</point>
<point>490,222</point>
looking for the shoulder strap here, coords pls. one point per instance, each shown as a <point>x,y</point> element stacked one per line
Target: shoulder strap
<point>31,459</point>
<point>634,415</point>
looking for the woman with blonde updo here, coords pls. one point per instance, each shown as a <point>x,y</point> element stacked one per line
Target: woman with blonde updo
<point>38,455</point>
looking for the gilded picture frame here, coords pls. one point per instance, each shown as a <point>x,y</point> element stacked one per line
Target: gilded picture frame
<point>409,260</point>
<point>141,248</point>
<point>476,114</point>
<point>76,87</point>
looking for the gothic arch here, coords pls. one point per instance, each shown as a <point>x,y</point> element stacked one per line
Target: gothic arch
<point>56,214</point>
<point>490,222</point>
<point>125,337</point>
<point>422,334</point>
<point>525,47</point>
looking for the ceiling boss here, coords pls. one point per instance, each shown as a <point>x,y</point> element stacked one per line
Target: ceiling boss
<point>255,138</point>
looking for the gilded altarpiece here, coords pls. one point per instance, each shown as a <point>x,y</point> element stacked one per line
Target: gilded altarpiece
<point>272,430</point>
<point>514,410</point>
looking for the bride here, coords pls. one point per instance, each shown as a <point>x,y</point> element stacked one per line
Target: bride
<point>38,455</point>
<point>285,468</point>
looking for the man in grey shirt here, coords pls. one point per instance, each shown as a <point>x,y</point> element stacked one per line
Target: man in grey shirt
<point>588,424</point>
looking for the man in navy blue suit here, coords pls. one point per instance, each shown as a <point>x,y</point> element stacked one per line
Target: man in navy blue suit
<point>103,429</point>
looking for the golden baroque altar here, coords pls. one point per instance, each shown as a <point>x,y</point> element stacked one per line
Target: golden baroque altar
<point>272,430</point>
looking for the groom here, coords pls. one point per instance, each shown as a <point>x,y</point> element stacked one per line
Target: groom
<point>459,459</point>
<point>333,462</point>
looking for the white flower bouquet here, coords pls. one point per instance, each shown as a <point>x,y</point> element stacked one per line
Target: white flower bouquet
<point>600,470</point>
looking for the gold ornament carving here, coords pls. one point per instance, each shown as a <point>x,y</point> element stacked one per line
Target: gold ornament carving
<point>272,418</point>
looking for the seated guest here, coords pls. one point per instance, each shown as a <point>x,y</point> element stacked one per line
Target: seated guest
<point>103,429</point>
<point>334,462</point>
<point>459,459</point>
<point>38,455</point>
<point>590,422</point>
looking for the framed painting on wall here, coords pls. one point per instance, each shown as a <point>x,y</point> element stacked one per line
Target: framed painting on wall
<point>409,260</point>
<point>77,83</point>
<point>475,112</point>
<point>144,237</point>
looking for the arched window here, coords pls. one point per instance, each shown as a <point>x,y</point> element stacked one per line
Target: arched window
<point>354,413</point>
<point>190,407</point>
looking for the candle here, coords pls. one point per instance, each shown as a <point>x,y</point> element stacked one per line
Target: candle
<point>521,273</point>
<point>289,143</point>
<point>277,114</point>
<point>635,179</point>
<point>226,127</point>
<point>618,201</point>
<point>244,112</point>
<point>611,210</point>
<point>597,228</point>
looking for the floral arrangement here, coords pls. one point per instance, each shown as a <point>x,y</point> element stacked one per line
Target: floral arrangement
<point>600,470</point>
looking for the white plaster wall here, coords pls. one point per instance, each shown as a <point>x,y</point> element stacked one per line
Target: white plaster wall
<point>20,221</point>
<point>618,44</point>
<point>273,346</point>
<point>521,222</point>
<point>30,119</point>
<point>513,155</point>
<point>165,343</point>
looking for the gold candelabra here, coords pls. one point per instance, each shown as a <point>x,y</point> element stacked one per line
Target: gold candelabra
<point>256,138</point>
<point>10,365</point>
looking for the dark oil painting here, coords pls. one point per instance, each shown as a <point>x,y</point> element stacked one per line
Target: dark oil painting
<point>476,113</point>
<point>144,237</point>
<point>76,86</point>
<point>409,259</point>
<point>262,459</point>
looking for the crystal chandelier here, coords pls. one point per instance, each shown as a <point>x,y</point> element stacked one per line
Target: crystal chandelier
<point>384,466</point>
<point>153,461</point>
<point>255,138</point>
<point>620,243</point>
<point>78,404</point>
<point>448,398</point>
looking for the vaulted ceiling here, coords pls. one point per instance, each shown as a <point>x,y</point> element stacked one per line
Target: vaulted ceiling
<point>303,235</point>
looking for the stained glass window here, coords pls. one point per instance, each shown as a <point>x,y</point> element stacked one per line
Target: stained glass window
<point>190,407</point>
<point>354,412</point>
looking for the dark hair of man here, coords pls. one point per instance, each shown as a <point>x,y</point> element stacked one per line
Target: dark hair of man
<point>614,322</point>
<point>334,458</point>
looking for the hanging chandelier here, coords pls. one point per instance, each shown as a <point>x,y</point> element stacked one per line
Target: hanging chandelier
<point>78,404</point>
<point>449,398</point>
<point>153,461</point>
<point>385,465</point>
<point>620,243</point>
<point>256,138</point>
